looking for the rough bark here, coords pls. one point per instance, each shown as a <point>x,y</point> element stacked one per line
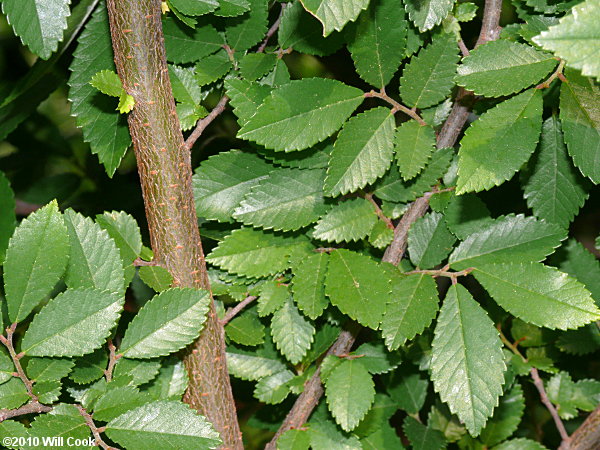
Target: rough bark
<point>165,172</point>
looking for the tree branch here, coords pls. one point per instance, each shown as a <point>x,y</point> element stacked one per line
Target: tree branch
<point>203,123</point>
<point>396,106</point>
<point>232,312</point>
<point>272,30</point>
<point>112,360</point>
<point>587,436</point>
<point>94,429</point>
<point>29,408</point>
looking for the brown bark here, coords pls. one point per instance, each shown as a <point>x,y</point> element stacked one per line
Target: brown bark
<point>165,172</point>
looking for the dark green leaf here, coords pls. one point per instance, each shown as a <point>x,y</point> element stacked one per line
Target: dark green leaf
<point>185,45</point>
<point>247,30</point>
<point>429,241</point>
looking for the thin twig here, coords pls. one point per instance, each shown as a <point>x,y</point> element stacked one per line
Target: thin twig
<point>539,385</point>
<point>557,73</point>
<point>490,22</point>
<point>8,343</point>
<point>379,212</point>
<point>443,273</point>
<point>94,429</point>
<point>325,249</point>
<point>463,48</point>
<point>396,106</point>
<point>272,30</point>
<point>203,123</point>
<point>112,360</point>
<point>232,312</point>
<point>138,262</point>
<point>29,408</point>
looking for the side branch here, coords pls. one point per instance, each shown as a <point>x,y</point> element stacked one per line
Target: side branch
<point>203,123</point>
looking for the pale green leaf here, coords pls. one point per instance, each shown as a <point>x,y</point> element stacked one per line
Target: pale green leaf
<point>36,258</point>
<point>168,322</point>
<point>358,286</point>
<point>362,152</point>
<point>126,103</point>
<point>381,235</point>
<point>294,440</point>
<point>221,182</point>
<point>39,23</point>
<point>212,67</point>
<point>195,7</point>
<point>429,77</point>
<point>467,366</point>
<point>232,8</point>
<point>245,97</point>
<point>555,191</point>
<point>576,38</point>
<point>248,29</point>
<point>246,329</point>
<point>411,308</point>
<point>378,41</point>
<point>309,284</point>
<point>288,199</point>
<point>107,82</point>
<point>502,67</point>
<point>273,296</point>
<point>414,146</point>
<point>350,220</point>
<point>539,294</point>
<point>95,261</point>
<point>350,392</point>
<point>252,368</point>
<point>334,14</point>
<point>74,323</point>
<point>156,277</point>
<point>274,388</point>
<point>506,418</point>
<point>184,84</point>
<point>117,401</point>
<point>499,142</point>
<point>429,241</point>
<point>301,113</point>
<point>189,114</point>
<point>162,424</point>
<point>48,369</point>
<point>185,45</point>
<point>124,230</point>
<point>255,253</point>
<point>426,14</point>
<point>506,240</point>
<point>580,119</point>
<point>304,33</point>
<point>421,436</point>
<point>292,333</point>
<point>103,128</point>
<point>324,434</point>
<point>520,444</point>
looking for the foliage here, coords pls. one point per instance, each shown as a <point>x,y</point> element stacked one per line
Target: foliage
<point>338,118</point>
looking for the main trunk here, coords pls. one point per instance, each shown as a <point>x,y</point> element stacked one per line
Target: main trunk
<point>165,174</point>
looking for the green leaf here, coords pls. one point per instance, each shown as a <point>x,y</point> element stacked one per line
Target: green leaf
<point>376,359</point>
<point>506,240</point>
<point>539,294</point>
<point>64,423</point>
<point>95,261</point>
<point>411,308</point>
<point>245,97</point>
<point>581,122</point>
<point>325,434</point>
<point>185,45</point>
<point>555,191</point>
<point>294,440</point>
<point>520,444</point>
<point>381,235</point>
<point>414,146</point>
<point>582,341</point>
<point>506,418</point>
<point>427,14</point>
<point>393,189</point>
<point>104,129</point>
<point>117,401</point>
<point>7,367</point>
<point>274,388</point>
<point>362,152</point>
<point>48,369</point>
<point>350,220</point>
<point>171,381</point>
<point>195,7</point>
<point>256,65</point>
<point>384,437</point>
<point>246,329</point>
<point>255,253</point>
<point>184,84</point>
<point>429,241</point>
<point>162,424</point>
<point>292,333</point>
<point>36,258</point>
<point>440,418</point>
<point>232,8</point>
<point>124,230</point>
<point>165,324</point>
<point>334,14</point>
<point>13,394</point>
<point>126,103</point>
<point>466,215</point>
<point>189,114</point>
<point>156,277</point>
<point>575,38</point>
<point>379,415</point>
<point>502,67</point>
<point>7,214</point>
<point>421,436</point>
<point>301,113</point>
<point>378,42</point>
<point>309,284</point>
<point>248,30</point>
<point>89,368</point>
<point>497,145</point>
<point>107,82</point>
<point>74,323</point>
<point>350,392</point>
<point>429,77</point>
<point>212,67</point>
<point>221,182</point>
<point>288,199</point>
<point>252,368</point>
<point>358,286</point>
<point>304,33</point>
<point>584,266</point>
<point>273,296</point>
<point>408,390</point>
<point>135,372</point>
<point>467,366</point>
<point>39,23</point>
